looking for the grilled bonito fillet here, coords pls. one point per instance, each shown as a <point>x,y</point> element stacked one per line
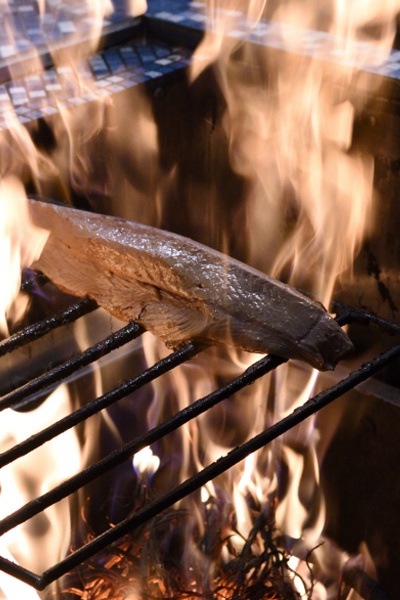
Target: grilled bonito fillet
<point>181,290</point>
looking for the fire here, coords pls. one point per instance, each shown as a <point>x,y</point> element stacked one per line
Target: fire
<point>46,539</point>
<point>288,125</point>
<point>22,162</point>
<point>13,588</point>
<point>20,243</point>
<point>37,543</point>
<point>145,462</point>
<point>291,138</point>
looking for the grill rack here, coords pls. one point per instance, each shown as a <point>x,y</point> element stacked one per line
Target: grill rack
<point>345,315</point>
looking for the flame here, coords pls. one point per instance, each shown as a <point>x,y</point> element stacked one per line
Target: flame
<point>136,7</point>
<point>145,462</point>
<point>42,541</point>
<point>75,161</point>
<point>20,242</point>
<point>288,124</point>
<point>45,538</point>
<point>11,587</point>
<point>292,137</point>
<point>22,162</point>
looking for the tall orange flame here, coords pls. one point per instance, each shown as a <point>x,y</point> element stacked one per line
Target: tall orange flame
<point>20,242</point>
<point>288,120</point>
<point>291,101</point>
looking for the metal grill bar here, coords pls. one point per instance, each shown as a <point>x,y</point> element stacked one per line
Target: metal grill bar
<point>9,567</point>
<point>38,330</point>
<point>83,413</point>
<point>21,397</point>
<point>210,472</point>
<point>220,466</point>
<point>262,367</point>
<point>345,315</point>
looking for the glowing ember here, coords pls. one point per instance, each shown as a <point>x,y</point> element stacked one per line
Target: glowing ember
<point>143,566</point>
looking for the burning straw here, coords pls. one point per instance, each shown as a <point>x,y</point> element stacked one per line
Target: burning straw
<point>153,564</point>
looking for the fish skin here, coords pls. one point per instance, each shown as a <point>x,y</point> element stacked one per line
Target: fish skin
<point>180,290</point>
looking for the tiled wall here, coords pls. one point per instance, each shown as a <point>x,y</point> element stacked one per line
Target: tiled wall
<point>268,33</point>
<point>61,20</point>
<point>111,71</point>
<point>40,94</point>
<point>129,64</point>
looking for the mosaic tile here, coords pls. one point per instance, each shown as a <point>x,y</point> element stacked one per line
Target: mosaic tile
<point>40,95</point>
<point>114,61</point>
<point>102,83</point>
<point>175,57</point>
<point>99,66</point>
<point>163,61</point>
<point>128,83</point>
<point>114,88</point>
<point>153,74</point>
<point>162,51</point>
<point>33,115</point>
<point>61,22</point>
<point>6,51</point>
<point>131,60</point>
<point>37,94</point>
<point>66,27</point>
<point>77,101</point>
<point>15,90</point>
<point>22,110</point>
<point>191,16</point>
<point>49,110</point>
<point>53,87</point>
<point>146,54</point>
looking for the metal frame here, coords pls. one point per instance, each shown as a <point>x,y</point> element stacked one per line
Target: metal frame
<point>17,398</point>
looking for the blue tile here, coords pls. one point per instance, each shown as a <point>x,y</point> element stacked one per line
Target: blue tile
<point>146,54</point>
<point>163,69</point>
<point>37,114</point>
<point>159,5</point>
<point>40,95</point>
<point>176,66</point>
<point>60,20</point>
<point>99,66</point>
<point>130,57</point>
<point>49,76</point>
<point>114,61</point>
<point>34,84</point>
<point>161,50</point>
<point>128,83</point>
<point>17,22</point>
<point>153,73</point>
<point>38,40</point>
<point>142,78</point>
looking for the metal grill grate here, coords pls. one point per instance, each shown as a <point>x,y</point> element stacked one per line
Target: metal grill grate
<point>20,397</point>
